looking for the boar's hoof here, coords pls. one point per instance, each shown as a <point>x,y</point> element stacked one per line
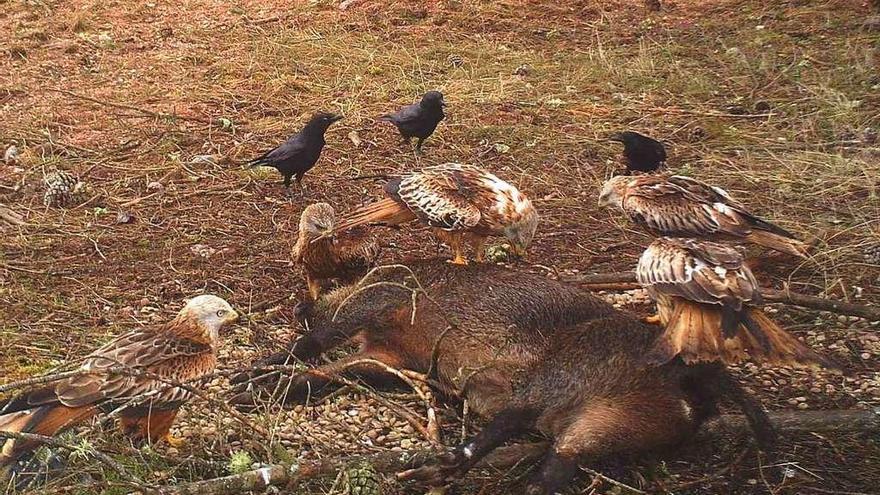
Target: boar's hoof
<point>444,469</point>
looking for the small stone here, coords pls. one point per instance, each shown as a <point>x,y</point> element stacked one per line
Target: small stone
<point>10,157</point>
<point>803,405</point>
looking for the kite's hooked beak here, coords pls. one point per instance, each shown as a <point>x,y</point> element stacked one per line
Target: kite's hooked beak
<point>234,317</point>
<point>325,234</point>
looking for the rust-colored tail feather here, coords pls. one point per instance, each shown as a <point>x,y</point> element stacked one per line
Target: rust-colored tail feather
<point>48,420</point>
<point>778,242</point>
<point>783,348</point>
<point>694,332</point>
<point>386,211</point>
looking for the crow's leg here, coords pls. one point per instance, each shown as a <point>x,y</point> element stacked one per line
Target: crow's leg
<point>299,182</point>
<point>419,146</point>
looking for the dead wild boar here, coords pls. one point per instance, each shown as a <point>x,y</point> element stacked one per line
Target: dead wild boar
<point>526,352</point>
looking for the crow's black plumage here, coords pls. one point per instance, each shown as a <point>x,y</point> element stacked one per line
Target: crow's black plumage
<point>418,120</point>
<point>643,154</point>
<point>300,152</point>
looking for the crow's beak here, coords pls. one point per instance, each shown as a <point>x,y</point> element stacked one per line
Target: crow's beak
<point>336,118</point>
<point>616,138</point>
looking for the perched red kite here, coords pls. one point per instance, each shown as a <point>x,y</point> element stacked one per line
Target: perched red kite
<point>180,351</point>
<point>709,303</point>
<point>685,207</point>
<point>462,203</point>
<point>324,255</point>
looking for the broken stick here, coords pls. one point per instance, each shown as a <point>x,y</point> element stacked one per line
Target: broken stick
<point>627,281</point>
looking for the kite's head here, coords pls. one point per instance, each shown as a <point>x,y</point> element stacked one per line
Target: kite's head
<point>613,191</point>
<point>317,220</point>
<point>207,315</point>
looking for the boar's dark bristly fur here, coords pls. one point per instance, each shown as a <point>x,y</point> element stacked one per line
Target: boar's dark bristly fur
<point>525,352</point>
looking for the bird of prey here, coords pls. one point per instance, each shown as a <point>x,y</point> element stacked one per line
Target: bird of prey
<point>134,374</point>
<point>462,203</point>
<point>324,255</point>
<point>685,207</point>
<point>420,119</point>
<point>709,304</point>
<point>643,154</point>
<point>300,152</point>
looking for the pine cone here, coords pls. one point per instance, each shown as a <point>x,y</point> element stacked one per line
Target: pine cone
<point>455,60</point>
<point>363,480</point>
<point>61,188</point>
<point>872,254</point>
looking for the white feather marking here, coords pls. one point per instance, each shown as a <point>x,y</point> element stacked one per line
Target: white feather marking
<point>721,271</point>
<point>722,208</point>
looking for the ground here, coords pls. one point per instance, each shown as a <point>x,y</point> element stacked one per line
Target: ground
<point>156,105</point>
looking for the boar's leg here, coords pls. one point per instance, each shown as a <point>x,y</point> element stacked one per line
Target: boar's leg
<point>709,384</point>
<point>447,467</point>
<point>314,383</point>
<point>556,473</point>
<point>638,422</point>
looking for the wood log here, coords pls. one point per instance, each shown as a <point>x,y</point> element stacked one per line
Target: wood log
<point>839,421</point>
<point>627,281</point>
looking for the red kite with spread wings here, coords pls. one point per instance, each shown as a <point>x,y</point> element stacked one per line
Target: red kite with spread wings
<point>709,303</point>
<point>685,207</point>
<point>461,202</point>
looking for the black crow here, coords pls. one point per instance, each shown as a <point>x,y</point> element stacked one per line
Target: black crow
<point>642,153</point>
<point>418,120</point>
<point>300,152</point>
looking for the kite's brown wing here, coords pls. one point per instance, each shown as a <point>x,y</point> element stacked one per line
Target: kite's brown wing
<point>355,251</point>
<point>450,197</point>
<point>668,209</point>
<point>170,358</point>
<point>700,271</point>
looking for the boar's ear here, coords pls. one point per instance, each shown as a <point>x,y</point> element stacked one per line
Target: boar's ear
<point>303,311</point>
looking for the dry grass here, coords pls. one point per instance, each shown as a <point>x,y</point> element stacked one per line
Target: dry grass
<point>242,76</point>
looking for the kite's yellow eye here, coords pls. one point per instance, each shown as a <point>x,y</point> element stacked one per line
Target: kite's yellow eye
<point>221,313</point>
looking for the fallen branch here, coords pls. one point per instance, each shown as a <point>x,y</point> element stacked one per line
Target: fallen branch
<point>501,458</point>
<point>384,462</point>
<point>627,281</point>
